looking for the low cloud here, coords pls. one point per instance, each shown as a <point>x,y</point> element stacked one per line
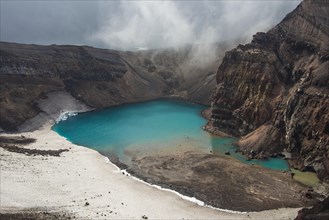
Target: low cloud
<point>150,24</point>
<point>129,25</point>
<point>162,24</point>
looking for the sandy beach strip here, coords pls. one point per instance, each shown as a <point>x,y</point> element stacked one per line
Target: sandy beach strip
<point>85,185</point>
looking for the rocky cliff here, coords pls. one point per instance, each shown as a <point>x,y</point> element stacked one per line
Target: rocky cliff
<point>274,91</point>
<point>98,77</point>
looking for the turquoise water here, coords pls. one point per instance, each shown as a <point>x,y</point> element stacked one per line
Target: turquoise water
<point>149,125</point>
<point>221,146</point>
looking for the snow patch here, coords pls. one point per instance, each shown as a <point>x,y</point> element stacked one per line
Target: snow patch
<point>65,115</point>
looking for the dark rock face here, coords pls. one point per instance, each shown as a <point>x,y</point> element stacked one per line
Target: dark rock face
<point>274,91</point>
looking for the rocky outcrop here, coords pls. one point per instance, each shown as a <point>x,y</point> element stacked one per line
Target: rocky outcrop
<point>98,78</point>
<point>319,212</point>
<point>274,91</point>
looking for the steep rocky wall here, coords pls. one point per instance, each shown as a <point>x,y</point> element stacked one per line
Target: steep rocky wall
<point>274,91</point>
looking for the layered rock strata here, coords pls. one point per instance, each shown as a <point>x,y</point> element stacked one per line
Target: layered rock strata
<point>274,91</point>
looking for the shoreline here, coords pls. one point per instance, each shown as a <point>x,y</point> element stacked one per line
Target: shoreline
<point>186,198</point>
<point>190,210</point>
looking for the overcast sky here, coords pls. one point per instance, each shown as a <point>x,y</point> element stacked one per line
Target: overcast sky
<point>127,25</point>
